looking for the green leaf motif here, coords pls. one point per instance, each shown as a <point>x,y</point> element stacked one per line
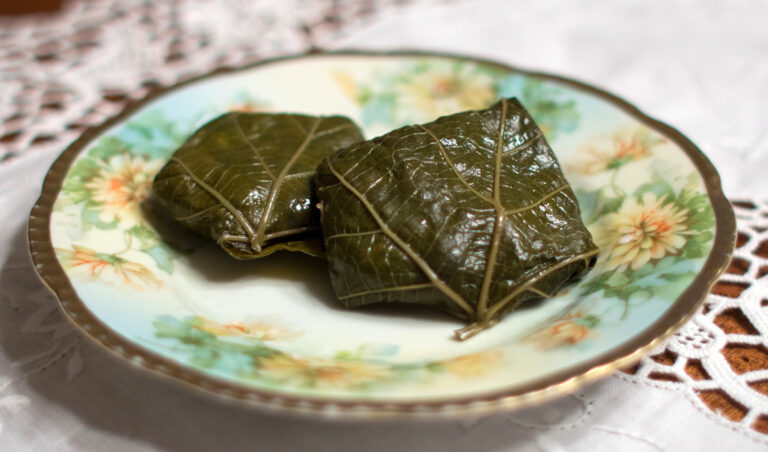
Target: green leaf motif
<point>590,320</point>
<point>152,245</point>
<point>153,135</point>
<point>92,217</point>
<point>244,180</point>
<point>107,147</point>
<point>146,237</point>
<point>427,214</point>
<point>163,257</point>
<point>82,170</point>
<point>167,326</point>
<point>596,204</point>
<point>658,186</point>
<point>617,279</point>
<point>673,277</point>
<point>544,101</point>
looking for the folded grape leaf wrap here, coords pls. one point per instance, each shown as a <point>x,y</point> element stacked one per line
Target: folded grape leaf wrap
<point>470,213</point>
<point>245,180</point>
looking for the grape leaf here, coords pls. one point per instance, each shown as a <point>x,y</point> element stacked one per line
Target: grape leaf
<point>244,180</point>
<point>470,214</point>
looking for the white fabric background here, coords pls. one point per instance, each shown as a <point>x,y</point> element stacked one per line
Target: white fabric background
<point>701,66</point>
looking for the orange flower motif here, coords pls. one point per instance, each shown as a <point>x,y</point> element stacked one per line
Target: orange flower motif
<point>122,184</point>
<point>475,364</point>
<point>642,231</point>
<point>624,147</point>
<point>319,372</point>
<point>248,107</point>
<point>565,332</point>
<point>109,268</point>
<point>246,103</point>
<point>262,329</point>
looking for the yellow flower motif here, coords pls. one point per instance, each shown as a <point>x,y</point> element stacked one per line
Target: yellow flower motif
<point>623,147</point>
<point>109,268</point>
<point>642,231</point>
<point>346,83</point>
<point>262,329</point>
<point>122,184</point>
<point>443,89</point>
<point>475,364</point>
<point>322,373</point>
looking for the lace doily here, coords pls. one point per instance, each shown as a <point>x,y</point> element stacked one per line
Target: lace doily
<point>64,73</point>
<point>722,354</point>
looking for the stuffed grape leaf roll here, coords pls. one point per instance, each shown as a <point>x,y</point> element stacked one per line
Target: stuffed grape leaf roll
<point>470,214</point>
<point>245,180</point>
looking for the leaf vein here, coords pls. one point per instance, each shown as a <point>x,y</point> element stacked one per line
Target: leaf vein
<point>493,250</point>
<point>353,234</point>
<point>334,130</point>
<point>250,145</point>
<point>292,231</point>
<point>529,142</point>
<point>302,174</point>
<point>499,305</point>
<point>418,260</point>
<point>198,213</point>
<point>539,201</point>
<point>450,163</point>
<point>239,217</point>
<point>538,292</point>
<point>387,289</point>
<point>273,190</point>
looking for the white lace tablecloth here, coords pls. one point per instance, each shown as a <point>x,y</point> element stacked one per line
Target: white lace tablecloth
<point>701,66</point>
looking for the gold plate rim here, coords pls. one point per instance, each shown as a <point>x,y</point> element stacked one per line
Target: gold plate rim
<point>561,383</point>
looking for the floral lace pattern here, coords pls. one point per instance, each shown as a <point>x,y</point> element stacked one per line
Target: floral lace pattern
<point>44,60</point>
<point>722,354</point>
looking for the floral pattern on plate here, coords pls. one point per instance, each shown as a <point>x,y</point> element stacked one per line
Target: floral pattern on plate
<point>641,196</point>
<point>424,90</point>
<point>246,351</point>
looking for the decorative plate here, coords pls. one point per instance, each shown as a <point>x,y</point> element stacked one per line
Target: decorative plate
<point>271,333</point>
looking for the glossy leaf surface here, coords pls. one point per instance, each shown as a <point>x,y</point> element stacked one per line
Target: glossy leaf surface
<point>244,180</point>
<point>470,213</point>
